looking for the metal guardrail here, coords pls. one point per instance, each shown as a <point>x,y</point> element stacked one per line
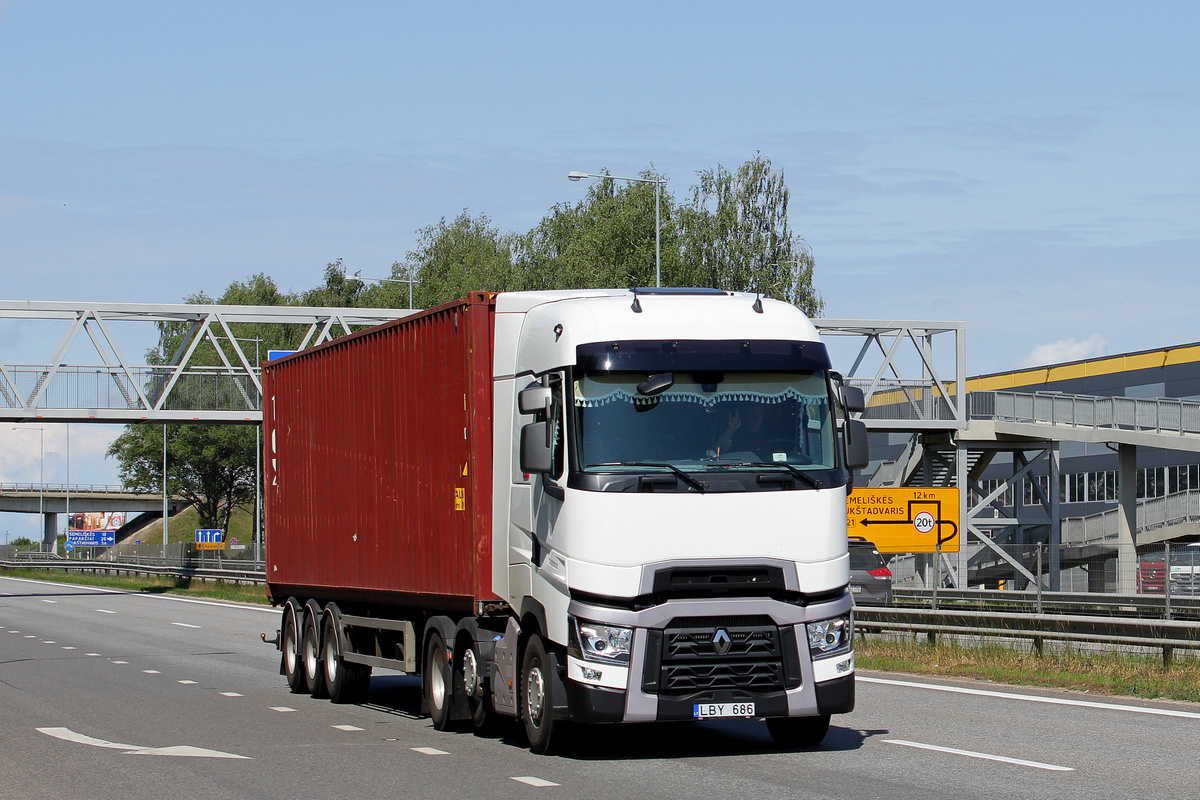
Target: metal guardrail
<point>254,576</point>
<point>1167,635</point>
<point>1145,606</point>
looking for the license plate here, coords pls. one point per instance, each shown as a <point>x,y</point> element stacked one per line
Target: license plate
<point>855,588</point>
<point>711,710</point>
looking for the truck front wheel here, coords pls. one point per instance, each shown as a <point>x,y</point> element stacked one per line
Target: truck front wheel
<point>796,732</point>
<point>437,682</point>
<point>537,699</point>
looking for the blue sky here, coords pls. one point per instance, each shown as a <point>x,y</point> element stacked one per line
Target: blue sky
<point>1029,168</point>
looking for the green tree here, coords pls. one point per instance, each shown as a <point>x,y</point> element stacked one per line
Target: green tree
<point>209,466</point>
<point>465,255</point>
<point>605,239</point>
<point>735,235</point>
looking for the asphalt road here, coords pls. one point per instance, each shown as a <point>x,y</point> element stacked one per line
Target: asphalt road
<point>126,696</point>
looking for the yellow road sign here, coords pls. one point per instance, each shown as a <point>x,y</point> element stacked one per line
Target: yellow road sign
<point>905,520</point>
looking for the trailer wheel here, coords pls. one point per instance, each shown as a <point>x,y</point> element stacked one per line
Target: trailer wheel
<point>796,732</point>
<point>437,683</point>
<point>346,683</point>
<point>293,671</point>
<point>536,704</point>
<point>310,653</point>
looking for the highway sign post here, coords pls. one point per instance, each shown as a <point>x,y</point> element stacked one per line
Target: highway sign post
<point>905,520</point>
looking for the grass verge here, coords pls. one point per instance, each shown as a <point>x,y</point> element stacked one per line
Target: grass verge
<point>1109,673</point>
<point>210,590</point>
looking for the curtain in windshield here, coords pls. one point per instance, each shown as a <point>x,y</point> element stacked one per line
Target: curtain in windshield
<point>721,420</point>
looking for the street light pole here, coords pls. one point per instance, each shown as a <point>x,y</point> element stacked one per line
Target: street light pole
<point>410,280</point>
<point>658,184</point>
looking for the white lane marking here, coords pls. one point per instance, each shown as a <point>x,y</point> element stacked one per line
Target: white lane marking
<point>282,709</point>
<point>986,756</point>
<point>51,602</point>
<point>347,728</point>
<point>187,683</point>
<point>241,606</point>
<point>69,648</point>
<point>534,781</point>
<point>68,735</point>
<point>184,625</point>
<point>1033,698</point>
<point>91,654</point>
<point>231,694</point>
<point>105,611</point>
<point>151,672</point>
<point>46,642</point>
<point>30,636</point>
<point>120,662</point>
<point>14,631</point>
<point>429,751</point>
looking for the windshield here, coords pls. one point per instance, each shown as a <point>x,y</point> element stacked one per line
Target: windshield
<point>713,420</point>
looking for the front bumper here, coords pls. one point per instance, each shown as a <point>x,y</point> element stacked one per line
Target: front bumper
<point>673,665</point>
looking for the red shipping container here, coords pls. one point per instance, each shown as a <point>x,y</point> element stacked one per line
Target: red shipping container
<point>378,450</point>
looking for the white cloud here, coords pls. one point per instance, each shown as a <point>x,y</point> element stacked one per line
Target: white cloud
<point>1066,350</point>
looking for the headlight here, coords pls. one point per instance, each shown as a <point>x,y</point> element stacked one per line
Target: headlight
<point>608,644</point>
<point>831,637</point>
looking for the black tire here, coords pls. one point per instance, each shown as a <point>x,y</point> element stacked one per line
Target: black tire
<point>310,654</point>
<point>471,679</point>
<point>798,732</point>
<point>293,670</point>
<point>437,682</point>
<point>536,699</point>
<point>345,682</point>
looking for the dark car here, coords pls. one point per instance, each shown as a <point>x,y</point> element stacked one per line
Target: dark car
<point>870,578</point>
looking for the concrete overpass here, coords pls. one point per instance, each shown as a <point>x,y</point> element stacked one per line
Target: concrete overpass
<point>50,500</point>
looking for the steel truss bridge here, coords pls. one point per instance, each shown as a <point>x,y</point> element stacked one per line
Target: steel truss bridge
<point>95,374</point>
<point>912,373</point>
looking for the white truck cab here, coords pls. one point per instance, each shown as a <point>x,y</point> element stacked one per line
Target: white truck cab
<point>669,509</point>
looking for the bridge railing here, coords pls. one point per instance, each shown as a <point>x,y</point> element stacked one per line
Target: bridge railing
<point>74,488</point>
<point>1160,415</point>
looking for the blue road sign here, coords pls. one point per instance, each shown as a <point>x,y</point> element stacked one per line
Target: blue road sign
<point>91,538</point>
<point>209,535</point>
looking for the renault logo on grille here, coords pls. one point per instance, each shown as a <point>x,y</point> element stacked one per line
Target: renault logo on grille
<point>720,642</point>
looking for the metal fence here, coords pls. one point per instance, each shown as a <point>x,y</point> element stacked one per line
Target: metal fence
<point>1165,575</point>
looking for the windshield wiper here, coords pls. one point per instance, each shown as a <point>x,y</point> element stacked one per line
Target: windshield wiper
<point>799,473</point>
<point>683,476</point>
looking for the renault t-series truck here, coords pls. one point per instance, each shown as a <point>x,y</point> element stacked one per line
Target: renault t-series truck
<point>594,506</point>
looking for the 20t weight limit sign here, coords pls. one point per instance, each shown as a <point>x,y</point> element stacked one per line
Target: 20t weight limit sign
<point>905,520</point>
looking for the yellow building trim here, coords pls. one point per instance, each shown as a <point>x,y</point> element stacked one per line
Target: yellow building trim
<point>1108,365</point>
<point>1023,378</point>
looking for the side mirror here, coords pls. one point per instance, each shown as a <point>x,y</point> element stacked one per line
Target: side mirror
<point>858,453</point>
<point>853,399</point>
<point>535,449</point>
<point>534,399</point>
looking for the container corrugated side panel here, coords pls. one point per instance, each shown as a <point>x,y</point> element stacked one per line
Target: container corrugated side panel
<point>368,439</point>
